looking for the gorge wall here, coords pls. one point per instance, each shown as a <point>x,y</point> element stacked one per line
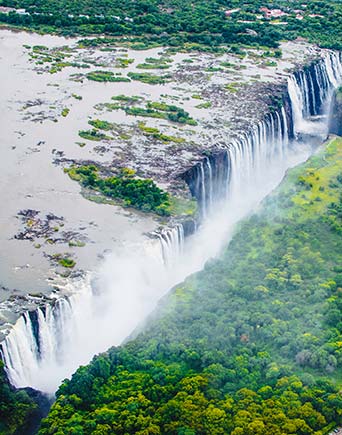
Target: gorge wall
<point>41,342</point>
<point>335,122</point>
<point>306,97</point>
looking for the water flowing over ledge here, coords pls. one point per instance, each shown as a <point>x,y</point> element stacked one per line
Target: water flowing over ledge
<point>48,344</point>
<point>308,95</point>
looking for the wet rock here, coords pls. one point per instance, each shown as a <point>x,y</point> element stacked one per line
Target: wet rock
<point>28,213</point>
<point>40,227</point>
<point>33,103</point>
<point>51,216</point>
<point>335,123</point>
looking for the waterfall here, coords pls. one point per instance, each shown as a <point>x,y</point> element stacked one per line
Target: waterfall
<point>310,90</point>
<point>203,191</point>
<point>36,337</point>
<point>308,96</point>
<point>172,243</point>
<point>49,343</point>
<point>245,157</point>
<point>53,341</point>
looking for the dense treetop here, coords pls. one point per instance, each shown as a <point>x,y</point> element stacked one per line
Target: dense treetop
<point>175,23</point>
<point>142,194</point>
<point>250,345</point>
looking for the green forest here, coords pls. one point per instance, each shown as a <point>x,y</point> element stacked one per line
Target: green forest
<point>16,407</point>
<point>189,23</point>
<point>251,345</point>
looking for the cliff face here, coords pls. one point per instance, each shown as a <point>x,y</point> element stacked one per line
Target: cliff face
<point>335,122</point>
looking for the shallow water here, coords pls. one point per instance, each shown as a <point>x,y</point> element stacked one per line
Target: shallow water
<point>30,180</point>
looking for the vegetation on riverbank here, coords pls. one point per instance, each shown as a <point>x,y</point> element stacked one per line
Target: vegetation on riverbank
<point>156,134</point>
<point>67,262</point>
<point>94,135</point>
<point>249,345</point>
<point>149,78</point>
<point>152,109</point>
<point>154,63</point>
<point>198,24</point>
<point>124,187</point>
<point>106,76</point>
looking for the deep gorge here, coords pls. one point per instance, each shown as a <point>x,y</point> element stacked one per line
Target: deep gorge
<point>40,342</point>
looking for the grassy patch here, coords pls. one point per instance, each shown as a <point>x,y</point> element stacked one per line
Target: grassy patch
<point>108,106</point>
<point>182,206</point>
<point>127,99</point>
<point>152,109</point>
<point>65,112</point>
<point>270,63</point>
<point>106,76</point>
<point>205,105</point>
<point>148,78</point>
<point>233,87</point>
<point>153,63</point>
<point>317,183</point>
<point>123,62</point>
<point>101,125</point>
<point>152,66</point>
<point>213,69</point>
<point>76,244</point>
<point>156,134</point>
<point>162,111</point>
<point>94,135</point>
<point>67,262</point>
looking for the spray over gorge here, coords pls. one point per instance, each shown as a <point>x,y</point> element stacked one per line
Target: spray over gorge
<point>106,308</point>
<point>153,176</point>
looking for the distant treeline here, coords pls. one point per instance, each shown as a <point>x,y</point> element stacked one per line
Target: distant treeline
<point>189,22</point>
